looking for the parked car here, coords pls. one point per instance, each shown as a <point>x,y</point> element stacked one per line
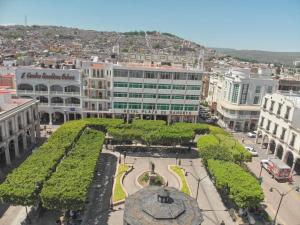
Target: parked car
<point>211,120</point>
<point>251,134</point>
<point>259,135</point>
<point>251,150</point>
<point>265,164</point>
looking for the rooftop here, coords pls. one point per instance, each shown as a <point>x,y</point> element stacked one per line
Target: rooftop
<point>161,206</point>
<point>8,103</point>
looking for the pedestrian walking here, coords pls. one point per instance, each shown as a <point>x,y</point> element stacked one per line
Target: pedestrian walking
<point>222,222</point>
<point>243,140</point>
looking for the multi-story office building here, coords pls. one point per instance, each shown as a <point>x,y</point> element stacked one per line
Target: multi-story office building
<point>236,95</point>
<point>112,90</point>
<point>59,92</point>
<point>279,126</point>
<point>19,127</point>
<point>171,94</point>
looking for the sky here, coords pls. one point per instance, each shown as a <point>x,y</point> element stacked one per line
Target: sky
<point>272,25</point>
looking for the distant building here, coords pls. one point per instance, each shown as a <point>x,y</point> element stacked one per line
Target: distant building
<point>161,206</point>
<point>279,125</point>
<point>236,95</point>
<point>19,127</point>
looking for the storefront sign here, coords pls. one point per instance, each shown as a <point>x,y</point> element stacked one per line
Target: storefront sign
<point>53,76</point>
<point>157,112</point>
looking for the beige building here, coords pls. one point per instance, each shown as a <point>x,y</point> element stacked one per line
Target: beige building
<point>19,127</point>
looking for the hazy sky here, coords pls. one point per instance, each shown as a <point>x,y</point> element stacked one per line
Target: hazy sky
<point>243,24</point>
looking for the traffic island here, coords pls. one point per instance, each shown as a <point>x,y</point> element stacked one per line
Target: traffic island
<point>179,173</point>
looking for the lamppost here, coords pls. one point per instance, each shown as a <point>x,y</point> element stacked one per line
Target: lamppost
<point>198,181</point>
<point>176,157</point>
<point>125,153</point>
<point>282,195</point>
<point>259,176</point>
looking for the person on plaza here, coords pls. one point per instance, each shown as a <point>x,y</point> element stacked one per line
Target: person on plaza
<point>222,222</point>
<point>243,139</point>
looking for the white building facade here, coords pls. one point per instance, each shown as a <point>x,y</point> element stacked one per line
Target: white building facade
<point>279,125</point>
<point>236,96</point>
<point>59,92</point>
<point>112,90</point>
<point>19,127</point>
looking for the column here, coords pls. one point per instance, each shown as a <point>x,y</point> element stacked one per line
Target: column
<point>154,117</point>
<point>169,119</point>
<point>195,119</point>
<point>38,131</point>
<point>16,147</point>
<point>268,147</point>
<point>7,156</point>
<point>32,137</point>
<point>127,117</point>
<point>65,117</point>
<point>24,141</point>
<point>50,118</point>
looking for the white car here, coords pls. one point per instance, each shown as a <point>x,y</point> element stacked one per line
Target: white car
<point>251,134</point>
<point>251,150</point>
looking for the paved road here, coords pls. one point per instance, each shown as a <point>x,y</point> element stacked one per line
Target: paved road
<point>290,208</point>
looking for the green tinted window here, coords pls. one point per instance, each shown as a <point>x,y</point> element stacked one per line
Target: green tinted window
<point>120,105</point>
<point>120,84</point>
<point>178,87</point>
<point>135,85</point>
<point>191,108</point>
<point>134,105</point>
<point>177,96</point>
<point>148,106</point>
<point>176,107</point>
<point>135,95</point>
<point>162,107</point>
<point>151,86</point>
<point>164,96</point>
<point>193,87</point>
<point>192,97</point>
<point>146,95</point>
<point>164,86</point>
<point>120,94</point>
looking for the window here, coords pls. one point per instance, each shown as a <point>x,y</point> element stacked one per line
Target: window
<point>244,93</point>
<point>262,121</point>
<point>279,109</point>
<point>120,84</point>
<point>148,106</point>
<point>177,96</point>
<point>265,103</point>
<point>162,106</point>
<point>194,76</point>
<point>275,129</point>
<point>120,105</point>
<point>146,95</point>
<point>191,107</point>
<point>135,74</point>
<point>135,85</point>
<point>120,94</point>
<point>282,133</point>
<point>150,75</point>
<point>292,142</point>
<point>176,107</point>
<point>268,125</point>
<point>134,105</point>
<point>120,73</point>
<point>192,97</point>
<point>269,89</point>
<point>164,96</point>
<point>235,93</point>
<point>179,76</point>
<point>193,87</point>
<point>164,86</point>
<point>150,86</point>
<point>10,128</point>
<point>272,106</point>
<point>27,117</point>
<point>287,113</point>
<point>19,122</point>
<point>166,75</point>
<point>135,95</point>
<point>256,100</point>
<point>257,89</point>
<point>178,87</point>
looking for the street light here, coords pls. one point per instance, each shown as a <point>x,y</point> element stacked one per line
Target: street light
<point>282,195</point>
<point>176,157</point>
<point>198,181</point>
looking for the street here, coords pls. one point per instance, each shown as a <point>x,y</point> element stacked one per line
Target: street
<point>290,207</point>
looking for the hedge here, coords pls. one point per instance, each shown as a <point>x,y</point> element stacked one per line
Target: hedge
<point>242,188</point>
<point>68,186</point>
<point>21,187</point>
